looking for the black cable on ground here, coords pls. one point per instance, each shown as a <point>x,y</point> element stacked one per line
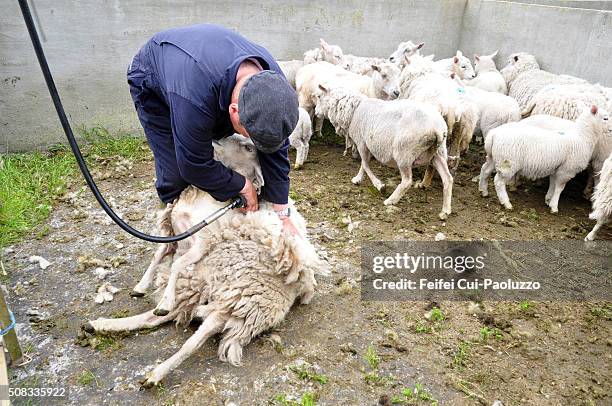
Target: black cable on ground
<point>42,60</point>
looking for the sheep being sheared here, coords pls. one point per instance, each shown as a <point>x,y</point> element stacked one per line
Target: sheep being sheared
<point>250,274</point>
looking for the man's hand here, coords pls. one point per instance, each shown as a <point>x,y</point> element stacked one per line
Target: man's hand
<point>250,194</point>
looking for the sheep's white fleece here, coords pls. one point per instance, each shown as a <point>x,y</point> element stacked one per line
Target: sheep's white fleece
<point>565,101</point>
<point>525,78</point>
<point>602,199</point>
<point>290,69</point>
<point>495,109</point>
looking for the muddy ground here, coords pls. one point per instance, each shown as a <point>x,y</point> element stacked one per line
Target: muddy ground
<point>339,349</point>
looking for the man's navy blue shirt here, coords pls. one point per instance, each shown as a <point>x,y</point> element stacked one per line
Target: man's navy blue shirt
<point>193,70</point>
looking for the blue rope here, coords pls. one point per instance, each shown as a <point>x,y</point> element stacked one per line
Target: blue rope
<point>4,331</point>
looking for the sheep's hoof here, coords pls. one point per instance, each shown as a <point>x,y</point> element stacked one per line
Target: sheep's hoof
<point>390,202</point>
<point>147,383</point>
<point>420,185</point>
<point>88,328</point>
<point>356,181</point>
<point>554,211</point>
<point>443,215</point>
<point>508,206</point>
<point>135,293</point>
<point>297,167</point>
<point>380,187</point>
<point>161,312</point>
<point>484,193</point>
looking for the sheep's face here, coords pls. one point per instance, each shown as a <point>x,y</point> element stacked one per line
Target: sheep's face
<point>386,77</point>
<point>407,48</point>
<point>518,63</point>
<point>239,153</point>
<point>333,54</point>
<point>462,66</point>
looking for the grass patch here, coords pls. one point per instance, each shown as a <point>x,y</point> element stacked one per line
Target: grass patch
<point>413,396</point>
<point>371,357</point>
<point>308,399</point>
<point>87,378</point>
<point>461,355</point>
<point>304,373</point>
<point>487,332</point>
<point>31,183</point>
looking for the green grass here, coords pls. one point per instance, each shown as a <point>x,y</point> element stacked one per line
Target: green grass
<point>414,396</point>
<point>31,183</point>
<point>308,399</point>
<point>304,373</point>
<point>87,378</point>
<point>371,357</point>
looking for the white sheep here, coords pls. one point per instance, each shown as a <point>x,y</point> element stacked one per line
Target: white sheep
<point>564,101</point>
<point>458,64</point>
<point>397,133</point>
<point>420,81</point>
<point>602,199</point>
<point>249,276</point>
<point>487,76</point>
<point>525,78</point>
<point>300,138</point>
<point>384,84</point>
<point>519,149</point>
<point>602,150</point>
<point>404,49</point>
<point>290,69</point>
<point>327,53</point>
<point>494,108</point>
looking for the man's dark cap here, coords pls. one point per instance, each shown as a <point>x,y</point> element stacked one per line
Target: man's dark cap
<point>268,109</point>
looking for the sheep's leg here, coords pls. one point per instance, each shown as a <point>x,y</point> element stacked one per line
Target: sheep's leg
<point>132,323</point>
<point>500,189</point>
<point>447,182</point>
<point>485,172</point>
<point>365,165</point>
<point>299,156</point>
<point>593,233</point>
<point>427,177</point>
<point>551,188</point>
<point>406,183</point>
<point>554,199</point>
<point>212,325</point>
<point>318,125</point>
<point>588,189</point>
<point>147,279</point>
<point>168,300</point>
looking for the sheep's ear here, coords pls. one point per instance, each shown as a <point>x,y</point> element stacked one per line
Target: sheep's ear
<point>420,45</point>
<point>324,44</point>
<point>452,75</point>
<point>494,54</point>
<point>325,89</point>
<point>593,109</point>
<point>459,54</point>
<point>376,68</point>
<point>476,57</point>
<point>456,60</point>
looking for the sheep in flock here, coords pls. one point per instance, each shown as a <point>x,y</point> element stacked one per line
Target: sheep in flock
<point>602,199</point>
<point>300,138</point>
<point>488,78</point>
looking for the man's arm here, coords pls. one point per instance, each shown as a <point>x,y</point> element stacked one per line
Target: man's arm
<point>191,128</point>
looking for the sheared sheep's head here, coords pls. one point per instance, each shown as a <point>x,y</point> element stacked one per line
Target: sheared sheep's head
<point>386,79</point>
<point>239,153</point>
<point>485,63</point>
<point>462,66</point>
<point>518,63</point>
<point>333,54</point>
<point>407,48</point>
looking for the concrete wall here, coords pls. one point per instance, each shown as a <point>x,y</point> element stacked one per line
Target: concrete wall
<point>574,41</point>
<point>89,45</point>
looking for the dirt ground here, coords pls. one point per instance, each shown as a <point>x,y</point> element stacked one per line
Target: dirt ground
<point>339,349</point>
